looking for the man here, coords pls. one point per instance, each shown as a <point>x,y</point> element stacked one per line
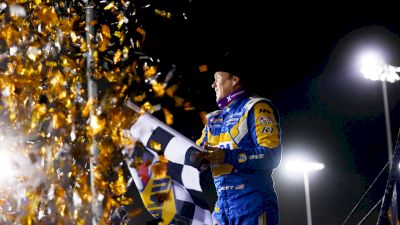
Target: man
<point>243,139</point>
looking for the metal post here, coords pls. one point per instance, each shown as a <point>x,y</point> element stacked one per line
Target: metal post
<point>387,121</point>
<point>92,95</point>
<point>308,201</point>
<point>388,132</point>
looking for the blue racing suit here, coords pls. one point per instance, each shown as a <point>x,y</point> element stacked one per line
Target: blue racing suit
<point>248,130</point>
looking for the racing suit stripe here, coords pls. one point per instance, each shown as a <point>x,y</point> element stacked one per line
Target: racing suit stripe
<point>262,219</point>
<point>222,140</point>
<point>240,130</point>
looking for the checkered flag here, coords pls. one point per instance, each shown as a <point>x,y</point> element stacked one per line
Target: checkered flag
<point>176,198</point>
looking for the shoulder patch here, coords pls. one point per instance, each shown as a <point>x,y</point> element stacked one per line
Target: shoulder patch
<point>263,109</point>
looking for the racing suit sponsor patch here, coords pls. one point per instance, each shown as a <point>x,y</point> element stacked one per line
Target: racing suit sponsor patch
<point>258,156</point>
<point>242,158</point>
<point>265,120</point>
<point>232,187</point>
<point>232,121</point>
<point>263,111</point>
<point>267,130</point>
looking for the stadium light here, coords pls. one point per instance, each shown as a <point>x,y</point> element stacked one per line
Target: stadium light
<point>305,167</point>
<point>374,67</point>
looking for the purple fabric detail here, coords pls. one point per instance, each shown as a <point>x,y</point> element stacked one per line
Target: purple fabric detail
<point>230,98</point>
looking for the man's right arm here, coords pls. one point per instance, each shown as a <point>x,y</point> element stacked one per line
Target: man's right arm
<point>203,139</point>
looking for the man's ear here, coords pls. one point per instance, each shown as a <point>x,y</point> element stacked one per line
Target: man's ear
<point>236,80</point>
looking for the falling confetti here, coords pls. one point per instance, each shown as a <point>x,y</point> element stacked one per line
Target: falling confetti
<point>44,48</point>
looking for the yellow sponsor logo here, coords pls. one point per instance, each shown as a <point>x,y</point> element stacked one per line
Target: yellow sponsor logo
<point>158,198</point>
<point>242,158</point>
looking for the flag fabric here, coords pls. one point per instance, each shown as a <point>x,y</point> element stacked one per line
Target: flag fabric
<point>390,212</point>
<point>394,210</point>
<point>393,187</point>
<point>176,197</point>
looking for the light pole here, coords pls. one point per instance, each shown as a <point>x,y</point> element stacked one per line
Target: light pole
<point>373,67</point>
<point>305,168</point>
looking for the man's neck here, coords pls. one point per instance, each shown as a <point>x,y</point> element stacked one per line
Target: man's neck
<point>230,98</point>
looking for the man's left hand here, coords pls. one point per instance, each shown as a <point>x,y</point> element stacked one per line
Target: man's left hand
<point>216,155</point>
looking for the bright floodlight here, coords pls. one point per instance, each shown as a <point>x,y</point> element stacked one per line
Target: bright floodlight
<point>373,67</point>
<point>300,166</point>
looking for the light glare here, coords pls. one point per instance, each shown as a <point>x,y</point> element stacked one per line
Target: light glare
<point>6,170</point>
<point>374,67</point>
<point>298,166</point>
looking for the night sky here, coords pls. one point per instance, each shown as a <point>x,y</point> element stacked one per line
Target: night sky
<point>303,58</point>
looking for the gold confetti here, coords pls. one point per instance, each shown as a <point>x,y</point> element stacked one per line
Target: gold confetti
<point>117,56</point>
<point>155,146</point>
<point>110,6</point>
<point>178,101</point>
<point>121,36</point>
<point>203,68</point>
<point>74,38</point>
<point>33,53</point>
<point>103,44</point>
<point>147,107</point>
<point>105,30</point>
<point>169,117</point>
<point>159,169</point>
<point>171,90</point>
<point>139,98</point>
<point>48,15</point>
<point>44,94</point>
<point>163,13</point>
<point>96,125</point>
<point>121,19</point>
<point>51,64</point>
<point>159,89</point>
<point>150,71</point>
<point>119,187</point>
<point>9,35</point>
<point>187,106</point>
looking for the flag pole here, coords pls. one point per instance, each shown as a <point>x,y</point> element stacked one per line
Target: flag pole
<point>387,198</point>
<point>92,95</point>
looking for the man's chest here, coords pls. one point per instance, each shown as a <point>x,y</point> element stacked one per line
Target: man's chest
<point>225,121</point>
<point>221,127</point>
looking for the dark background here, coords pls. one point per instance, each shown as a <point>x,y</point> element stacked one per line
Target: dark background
<point>303,58</point>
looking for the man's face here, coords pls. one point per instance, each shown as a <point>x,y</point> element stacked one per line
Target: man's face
<point>224,84</point>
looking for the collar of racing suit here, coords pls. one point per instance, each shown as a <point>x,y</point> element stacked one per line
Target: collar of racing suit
<point>230,98</point>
